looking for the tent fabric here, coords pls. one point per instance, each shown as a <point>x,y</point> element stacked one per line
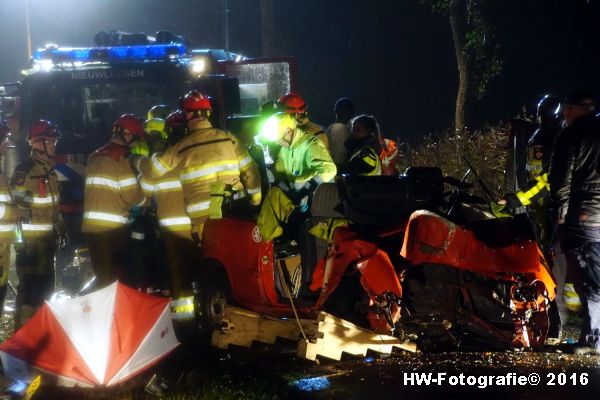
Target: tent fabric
<point>41,342</point>
<point>100,339</point>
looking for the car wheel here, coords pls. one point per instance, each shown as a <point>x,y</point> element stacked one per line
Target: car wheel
<point>215,294</point>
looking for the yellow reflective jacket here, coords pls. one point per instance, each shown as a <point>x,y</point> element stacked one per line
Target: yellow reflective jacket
<point>535,191</point>
<point>35,187</point>
<point>170,209</point>
<point>9,213</point>
<point>204,156</point>
<point>111,189</point>
<point>305,159</point>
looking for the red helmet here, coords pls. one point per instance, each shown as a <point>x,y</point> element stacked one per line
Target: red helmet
<point>131,123</point>
<point>195,101</point>
<point>43,129</point>
<point>292,103</point>
<point>175,125</point>
<point>174,120</point>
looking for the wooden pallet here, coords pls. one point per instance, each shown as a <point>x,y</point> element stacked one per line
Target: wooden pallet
<point>329,336</point>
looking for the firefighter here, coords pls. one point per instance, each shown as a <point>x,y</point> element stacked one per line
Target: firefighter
<point>303,162</point>
<point>539,151</point>
<point>363,147</point>
<point>535,197</point>
<point>111,191</point>
<point>339,132</point>
<point>206,160</point>
<point>541,142</point>
<point>295,105</point>
<point>156,136</point>
<point>35,189</point>
<point>174,224</point>
<point>145,270</point>
<point>9,214</point>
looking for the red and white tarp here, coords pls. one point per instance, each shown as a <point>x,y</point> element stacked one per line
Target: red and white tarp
<point>100,339</point>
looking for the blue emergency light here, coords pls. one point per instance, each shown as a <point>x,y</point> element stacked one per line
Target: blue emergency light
<point>151,52</point>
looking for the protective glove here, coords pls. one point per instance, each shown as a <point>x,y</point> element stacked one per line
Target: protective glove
<point>500,210</point>
<point>136,212</point>
<point>140,149</point>
<point>300,197</point>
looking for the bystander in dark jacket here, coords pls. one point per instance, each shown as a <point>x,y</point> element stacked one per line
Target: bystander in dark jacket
<point>575,192</point>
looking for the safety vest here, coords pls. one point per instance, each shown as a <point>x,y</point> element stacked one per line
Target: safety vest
<point>204,156</point>
<point>170,210</point>
<point>365,162</point>
<point>111,189</point>
<point>535,154</point>
<point>35,187</point>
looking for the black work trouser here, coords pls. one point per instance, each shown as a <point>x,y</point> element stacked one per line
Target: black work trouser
<point>108,251</point>
<point>35,267</point>
<point>183,260</point>
<point>583,269</point>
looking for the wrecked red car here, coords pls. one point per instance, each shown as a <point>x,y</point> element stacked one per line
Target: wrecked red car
<point>411,260</point>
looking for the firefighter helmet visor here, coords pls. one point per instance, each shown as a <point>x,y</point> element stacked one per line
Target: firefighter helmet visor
<point>155,126</point>
<point>159,111</point>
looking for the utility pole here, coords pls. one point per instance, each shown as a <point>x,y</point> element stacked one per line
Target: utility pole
<point>28,29</point>
<point>226,11</point>
<point>268,28</point>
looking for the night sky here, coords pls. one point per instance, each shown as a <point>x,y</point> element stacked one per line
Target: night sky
<point>394,58</point>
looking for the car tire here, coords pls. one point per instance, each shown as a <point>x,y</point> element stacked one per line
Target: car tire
<point>215,293</point>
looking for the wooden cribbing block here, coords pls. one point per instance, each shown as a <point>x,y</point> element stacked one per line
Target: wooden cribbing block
<point>242,327</point>
<point>335,335</point>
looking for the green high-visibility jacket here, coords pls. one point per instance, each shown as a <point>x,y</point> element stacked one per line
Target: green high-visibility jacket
<point>305,159</point>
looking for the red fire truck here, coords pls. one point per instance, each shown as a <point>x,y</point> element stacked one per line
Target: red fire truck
<point>84,90</point>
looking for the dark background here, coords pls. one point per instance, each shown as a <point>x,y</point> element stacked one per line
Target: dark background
<point>394,58</point>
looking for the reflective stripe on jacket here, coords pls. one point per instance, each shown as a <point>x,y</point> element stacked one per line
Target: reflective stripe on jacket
<point>35,187</point>
<point>204,156</point>
<point>537,190</point>
<point>170,209</point>
<point>8,211</point>
<point>111,189</point>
